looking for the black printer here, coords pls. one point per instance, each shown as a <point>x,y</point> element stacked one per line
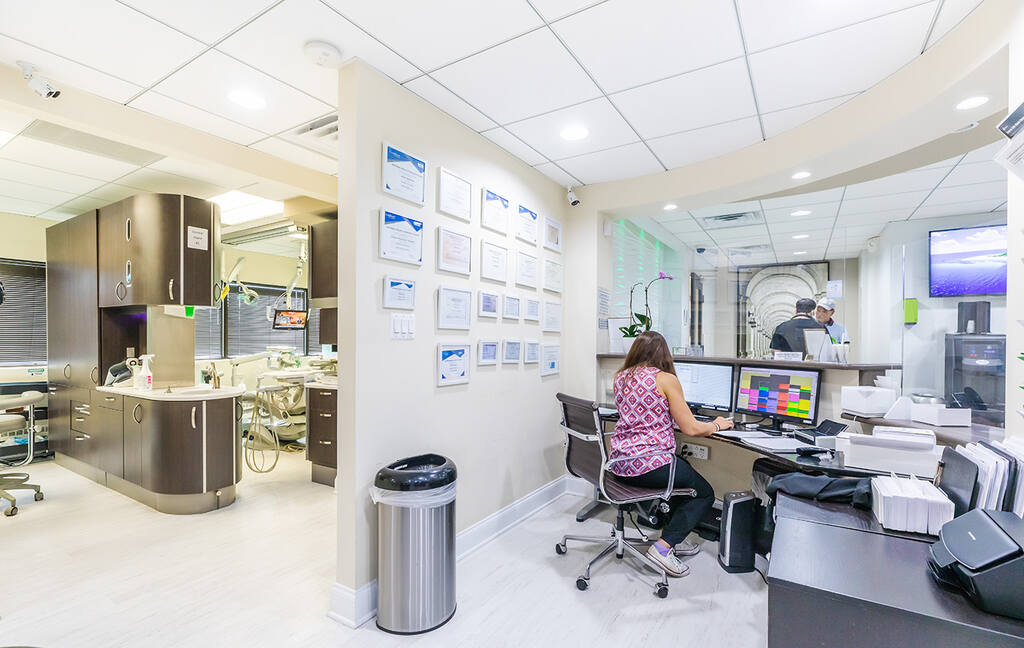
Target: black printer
<point>982,553</point>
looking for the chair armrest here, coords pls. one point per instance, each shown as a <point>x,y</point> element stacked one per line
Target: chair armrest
<point>592,438</point>
<point>646,455</point>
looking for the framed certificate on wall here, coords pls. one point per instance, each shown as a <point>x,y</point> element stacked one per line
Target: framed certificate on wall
<point>526,225</point>
<point>454,251</point>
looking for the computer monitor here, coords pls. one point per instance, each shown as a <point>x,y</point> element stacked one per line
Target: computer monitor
<point>290,320</point>
<point>706,385</point>
<point>789,395</point>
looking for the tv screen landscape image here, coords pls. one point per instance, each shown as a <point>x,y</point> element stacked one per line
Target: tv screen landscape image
<point>968,261</point>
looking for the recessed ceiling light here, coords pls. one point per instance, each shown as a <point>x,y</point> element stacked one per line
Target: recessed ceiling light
<point>247,99</point>
<point>671,207</point>
<point>972,102</point>
<point>239,207</point>
<point>574,132</point>
<point>800,175</point>
<point>801,212</point>
<point>5,137</point>
<point>800,252</point>
<point>802,236</point>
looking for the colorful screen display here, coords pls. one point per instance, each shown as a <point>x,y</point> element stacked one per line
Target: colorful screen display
<point>969,261</point>
<point>290,320</point>
<point>779,393</point>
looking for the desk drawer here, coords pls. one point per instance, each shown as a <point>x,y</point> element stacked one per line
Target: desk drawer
<point>80,413</point>
<point>322,400</point>
<point>109,401</point>
<point>321,438</point>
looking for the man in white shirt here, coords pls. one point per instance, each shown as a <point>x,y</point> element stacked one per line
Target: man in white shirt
<point>824,312</point>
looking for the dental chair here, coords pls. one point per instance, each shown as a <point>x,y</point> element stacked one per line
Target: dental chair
<point>10,426</point>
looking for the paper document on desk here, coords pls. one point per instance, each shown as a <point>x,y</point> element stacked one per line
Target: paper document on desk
<point>776,444</point>
<point>744,434</point>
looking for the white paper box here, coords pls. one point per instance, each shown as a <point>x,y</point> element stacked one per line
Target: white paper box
<point>940,415</point>
<point>866,400</point>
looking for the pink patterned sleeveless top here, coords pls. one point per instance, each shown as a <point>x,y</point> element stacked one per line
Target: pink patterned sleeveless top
<point>645,424</point>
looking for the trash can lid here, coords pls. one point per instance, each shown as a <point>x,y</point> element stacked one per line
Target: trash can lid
<point>422,472</point>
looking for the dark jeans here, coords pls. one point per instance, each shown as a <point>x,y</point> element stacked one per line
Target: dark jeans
<point>685,512</point>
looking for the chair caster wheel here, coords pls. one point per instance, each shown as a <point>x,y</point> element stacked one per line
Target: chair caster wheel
<point>39,497</point>
<point>11,511</point>
<point>582,584</point>
<point>662,591</point>
<point>560,549</point>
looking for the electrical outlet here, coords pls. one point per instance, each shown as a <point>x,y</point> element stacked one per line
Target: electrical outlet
<point>693,451</point>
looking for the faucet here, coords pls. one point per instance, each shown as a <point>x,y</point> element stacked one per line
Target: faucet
<point>211,376</point>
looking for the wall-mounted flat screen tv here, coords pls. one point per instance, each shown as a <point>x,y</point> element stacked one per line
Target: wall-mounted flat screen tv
<point>967,261</point>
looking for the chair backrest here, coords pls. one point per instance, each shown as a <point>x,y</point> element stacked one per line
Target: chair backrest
<point>584,457</point>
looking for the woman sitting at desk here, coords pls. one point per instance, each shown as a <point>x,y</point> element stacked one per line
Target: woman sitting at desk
<point>649,398</point>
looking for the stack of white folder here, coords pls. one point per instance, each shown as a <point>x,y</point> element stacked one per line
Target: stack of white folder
<point>994,472</point>
<point>915,505</point>
<point>907,451</point>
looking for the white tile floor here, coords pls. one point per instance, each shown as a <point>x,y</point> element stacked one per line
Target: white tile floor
<point>88,567</point>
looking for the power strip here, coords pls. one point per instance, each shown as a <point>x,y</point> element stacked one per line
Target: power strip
<point>693,451</point>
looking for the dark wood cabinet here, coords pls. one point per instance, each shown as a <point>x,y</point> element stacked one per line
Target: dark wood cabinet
<point>107,442</point>
<point>131,419</point>
<point>58,424</point>
<point>328,326</point>
<point>322,427</point>
<point>323,261</point>
<point>157,249</point>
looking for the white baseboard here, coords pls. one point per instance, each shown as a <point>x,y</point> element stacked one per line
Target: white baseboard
<point>353,608</point>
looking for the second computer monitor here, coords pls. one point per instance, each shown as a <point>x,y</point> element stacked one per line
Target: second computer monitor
<point>782,394</point>
<point>706,385</point>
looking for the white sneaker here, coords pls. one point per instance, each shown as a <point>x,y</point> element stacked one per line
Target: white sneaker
<point>673,566</point>
<point>686,548</point>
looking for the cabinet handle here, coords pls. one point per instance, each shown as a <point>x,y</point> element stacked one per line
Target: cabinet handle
<point>193,417</point>
<point>328,394</point>
<point>83,437</point>
<point>325,415</point>
<point>170,289</point>
<point>128,273</point>
<point>128,229</point>
<point>135,413</point>
<point>94,375</point>
<point>110,399</point>
<point>67,371</point>
<point>120,291</point>
<point>238,411</point>
<point>322,442</point>
<point>52,390</point>
<point>79,419</point>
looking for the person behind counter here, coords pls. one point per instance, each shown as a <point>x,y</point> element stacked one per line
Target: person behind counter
<point>823,313</point>
<point>789,336</point>
<point>649,398</point>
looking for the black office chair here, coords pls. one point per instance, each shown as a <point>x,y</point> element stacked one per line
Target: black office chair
<point>586,457</point>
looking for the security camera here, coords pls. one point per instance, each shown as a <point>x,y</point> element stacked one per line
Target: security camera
<point>701,250</point>
<point>571,197</point>
<point>39,85</point>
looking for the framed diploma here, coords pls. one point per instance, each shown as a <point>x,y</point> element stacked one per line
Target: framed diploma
<point>511,351</point>
<point>494,211</point>
<point>526,225</point>
<point>550,361</point>
<point>552,234</point>
<point>399,292</point>
<point>403,175</point>
<point>526,270</point>
<point>454,195</point>
<point>487,352</point>
<point>453,364</point>
<point>553,276</point>
<point>454,251</point>
<point>531,312</point>
<point>531,352</point>
<point>510,308</point>
<point>401,238</point>
<point>454,308</point>
<point>493,262</point>
<point>487,303</point>
<point>552,317</point>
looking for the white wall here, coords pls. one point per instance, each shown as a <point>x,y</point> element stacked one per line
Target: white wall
<point>502,428</point>
<point>23,237</point>
<point>898,268</point>
<point>1015,270</point>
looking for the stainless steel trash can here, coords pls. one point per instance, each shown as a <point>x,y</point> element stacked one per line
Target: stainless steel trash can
<point>416,544</point>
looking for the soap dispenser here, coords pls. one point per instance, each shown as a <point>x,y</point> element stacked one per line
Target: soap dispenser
<point>145,377</point>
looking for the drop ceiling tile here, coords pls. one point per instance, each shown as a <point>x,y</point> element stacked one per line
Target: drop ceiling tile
<point>557,174</point>
<point>15,189</point>
<point>201,19</point>
<point>83,204</point>
<point>111,193</point>
<point>24,207</point>
<point>176,111</point>
<point>13,122</point>
<point>297,154</point>
<point>809,237</point>
<point>798,200</point>
<point>942,164</point>
<point>507,141</point>
<point>818,211</point>
<point>431,34</point>
<point>624,43</point>
<point>856,232</point>
<point>58,215</point>
<point>780,121</point>
<point>59,158</point>
<point>907,200</point>
<point>953,11</point>
<point>41,177</point>
<point>102,34</point>
<point>216,174</point>
<point>874,216</point>
<point>208,81</point>
<point>447,101</point>
<point>552,10</point>
<point>749,234</point>
<point>709,96</point>
<point>607,130</point>
<point>157,181</point>
<point>272,190</point>
<point>524,77</point>
<point>838,63</point>
<point>627,161</point>
<point>957,209</point>
<point>975,173</point>
<point>945,195</point>
<point>767,24</point>
<point>61,71</point>
<point>274,44</point>
<point>727,208</point>
<point>705,143</point>
<point>924,180</point>
<point>985,153</point>
<point>800,226</point>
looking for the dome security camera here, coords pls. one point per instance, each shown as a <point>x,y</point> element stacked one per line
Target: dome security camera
<point>701,250</point>
<point>38,84</point>
<point>571,197</point>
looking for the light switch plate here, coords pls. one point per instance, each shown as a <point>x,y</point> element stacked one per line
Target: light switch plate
<point>403,326</point>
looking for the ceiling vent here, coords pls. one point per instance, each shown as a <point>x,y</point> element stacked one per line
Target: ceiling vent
<point>725,221</point>
<point>750,250</point>
<point>79,141</point>
<point>318,135</point>
<point>259,233</point>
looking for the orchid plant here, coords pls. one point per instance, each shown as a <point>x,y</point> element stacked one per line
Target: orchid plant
<point>640,322</point>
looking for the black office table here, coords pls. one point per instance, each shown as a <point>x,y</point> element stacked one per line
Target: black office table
<point>831,584</point>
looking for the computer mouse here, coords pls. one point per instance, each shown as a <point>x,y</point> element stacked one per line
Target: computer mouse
<point>810,451</point>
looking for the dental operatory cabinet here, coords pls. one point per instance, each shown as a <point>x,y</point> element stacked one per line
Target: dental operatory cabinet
<point>119,280</point>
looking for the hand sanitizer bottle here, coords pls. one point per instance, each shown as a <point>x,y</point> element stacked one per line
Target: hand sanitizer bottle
<point>145,381</point>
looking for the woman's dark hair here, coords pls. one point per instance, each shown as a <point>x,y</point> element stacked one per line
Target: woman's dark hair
<point>649,350</point>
